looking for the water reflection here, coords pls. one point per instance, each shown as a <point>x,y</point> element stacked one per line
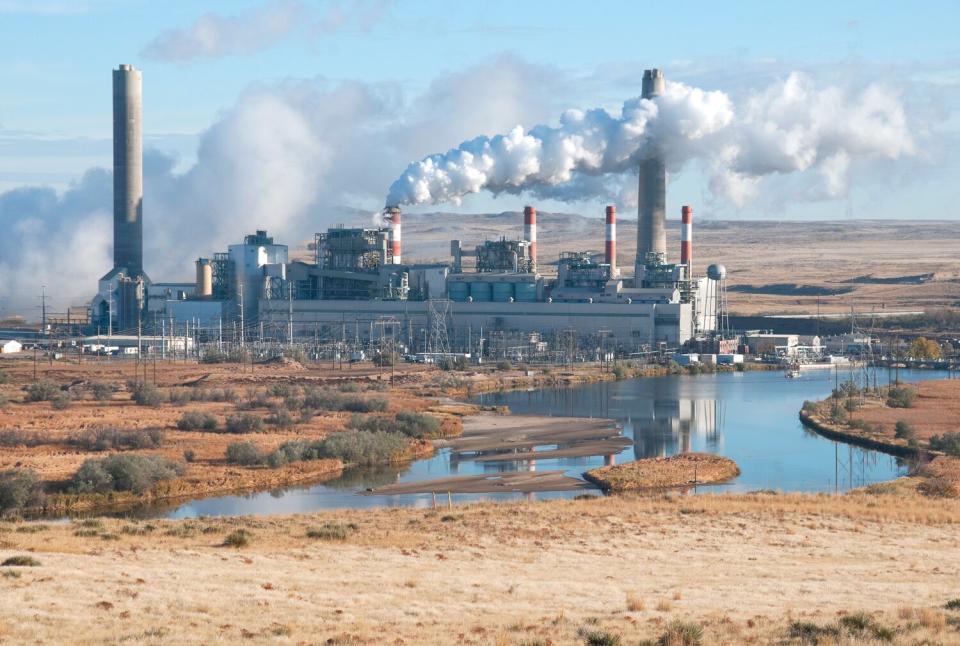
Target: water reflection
<point>750,417</point>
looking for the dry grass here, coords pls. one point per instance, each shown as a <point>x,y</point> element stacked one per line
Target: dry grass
<point>635,603</point>
<point>522,572</point>
<point>684,469</point>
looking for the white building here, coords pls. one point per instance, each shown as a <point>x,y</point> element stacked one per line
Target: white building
<point>10,347</point>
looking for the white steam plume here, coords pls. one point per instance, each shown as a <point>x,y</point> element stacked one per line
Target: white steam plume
<point>792,126</point>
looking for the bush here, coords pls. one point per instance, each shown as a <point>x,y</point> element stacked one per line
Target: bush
<point>850,405</point>
<point>282,390</point>
<point>385,359</point>
<point>136,473</point>
<point>42,390</point>
<point>455,363</point>
<point>244,453</point>
<point>600,638</point>
<point>280,417</point>
<point>189,455</point>
<point>4,377</point>
<point>20,561</point>
<point>20,488</point>
<point>61,401</point>
<point>101,391</point>
<point>901,397</point>
<point>145,394</point>
<point>411,424</point>
<point>809,407</point>
<point>243,423</point>
<point>238,538</point>
<point>4,400</point>
<point>363,447</point>
<point>180,396</point>
<point>331,400</point>
<point>949,443</point>
<point>103,439</point>
<point>197,421</point>
<point>504,365</point>
<point>16,437</point>
<point>330,532</point>
<point>904,431</point>
<point>620,371</point>
<point>682,633</point>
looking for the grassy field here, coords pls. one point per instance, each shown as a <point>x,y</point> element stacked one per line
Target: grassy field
<point>760,568</point>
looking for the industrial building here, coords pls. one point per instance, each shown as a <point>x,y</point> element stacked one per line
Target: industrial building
<point>490,296</point>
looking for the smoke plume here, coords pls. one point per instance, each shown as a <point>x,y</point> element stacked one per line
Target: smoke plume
<point>793,126</point>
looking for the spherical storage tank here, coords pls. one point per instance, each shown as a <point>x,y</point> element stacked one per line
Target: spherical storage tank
<point>480,292</point>
<point>458,291</point>
<point>716,272</point>
<point>525,292</point>
<point>502,292</point>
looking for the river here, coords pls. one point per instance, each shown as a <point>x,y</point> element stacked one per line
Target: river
<point>750,417</point>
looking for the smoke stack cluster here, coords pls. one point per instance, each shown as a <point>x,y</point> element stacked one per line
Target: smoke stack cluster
<point>652,189</point>
<point>127,171</point>
<point>686,236</point>
<point>393,218</point>
<point>530,230</point>
<point>610,243</point>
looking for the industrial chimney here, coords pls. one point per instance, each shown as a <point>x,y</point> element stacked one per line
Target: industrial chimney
<point>393,218</point>
<point>530,231</point>
<point>610,246</point>
<point>686,237</point>
<point>651,210</point>
<point>127,172</point>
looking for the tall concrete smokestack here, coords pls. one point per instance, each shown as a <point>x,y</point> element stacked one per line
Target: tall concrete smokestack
<point>651,210</point>
<point>127,171</point>
<point>686,237</point>
<point>393,217</point>
<point>530,230</point>
<point>610,246</point>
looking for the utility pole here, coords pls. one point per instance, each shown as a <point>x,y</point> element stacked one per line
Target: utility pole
<point>43,311</point>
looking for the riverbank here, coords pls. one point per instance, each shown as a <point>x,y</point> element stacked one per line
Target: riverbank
<point>507,573</point>
<point>683,470</point>
<point>90,411</point>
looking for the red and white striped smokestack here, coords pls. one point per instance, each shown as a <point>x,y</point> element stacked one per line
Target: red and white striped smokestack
<point>610,247</point>
<point>686,236</point>
<point>530,230</point>
<point>393,217</point>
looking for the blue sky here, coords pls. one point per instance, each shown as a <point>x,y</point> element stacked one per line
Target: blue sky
<point>293,115</point>
<point>55,113</point>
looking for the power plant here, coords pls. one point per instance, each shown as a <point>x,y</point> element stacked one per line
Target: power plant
<point>357,288</point>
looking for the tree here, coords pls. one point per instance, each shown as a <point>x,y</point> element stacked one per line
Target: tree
<point>923,348</point>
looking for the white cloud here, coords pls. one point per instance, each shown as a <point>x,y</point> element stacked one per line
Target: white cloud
<point>214,35</point>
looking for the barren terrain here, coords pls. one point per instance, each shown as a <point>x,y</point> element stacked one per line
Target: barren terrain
<point>747,569</point>
<point>774,267</point>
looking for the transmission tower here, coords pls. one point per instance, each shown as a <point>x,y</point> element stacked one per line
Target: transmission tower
<point>439,310</point>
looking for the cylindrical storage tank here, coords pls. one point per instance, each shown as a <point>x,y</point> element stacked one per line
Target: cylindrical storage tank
<point>480,292</point>
<point>204,278</point>
<point>502,292</point>
<point>458,292</point>
<point>525,292</point>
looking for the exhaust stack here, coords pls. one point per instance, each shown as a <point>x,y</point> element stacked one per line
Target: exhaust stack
<point>610,246</point>
<point>651,210</point>
<point>127,171</point>
<point>393,218</point>
<point>530,231</point>
<point>686,237</point>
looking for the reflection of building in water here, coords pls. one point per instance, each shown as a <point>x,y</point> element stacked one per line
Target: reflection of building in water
<point>664,420</point>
